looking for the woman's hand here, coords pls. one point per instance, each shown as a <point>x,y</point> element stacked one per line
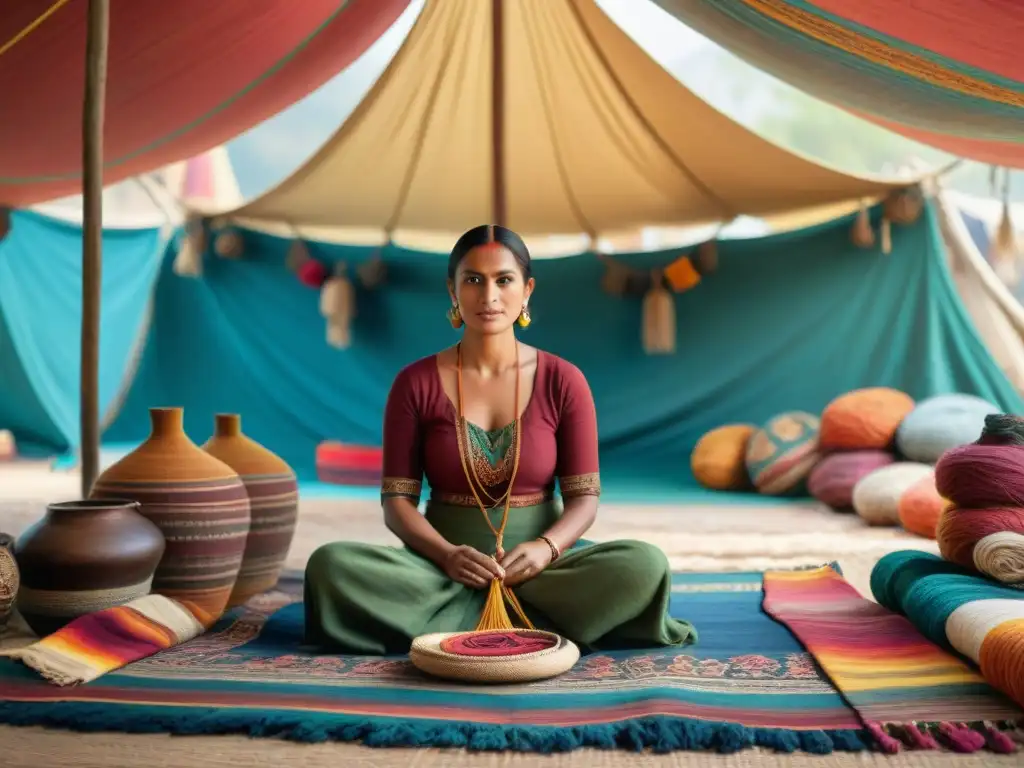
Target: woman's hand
<point>525,561</point>
<point>471,567</point>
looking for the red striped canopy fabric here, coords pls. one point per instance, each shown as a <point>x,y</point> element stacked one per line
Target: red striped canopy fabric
<point>183,76</point>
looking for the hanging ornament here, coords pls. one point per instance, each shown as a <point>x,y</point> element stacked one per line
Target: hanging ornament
<point>5,222</point>
<point>659,317</point>
<point>312,274</point>
<point>615,278</point>
<point>707,257</point>
<point>682,275</point>
<point>298,255</point>
<point>1003,251</point>
<point>885,235</point>
<point>904,206</point>
<point>219,223</point>
<point>372,272</point>
<point>228,243</point>
<point>861,233</point>
<point>191,247</point>
<point>338,306</point>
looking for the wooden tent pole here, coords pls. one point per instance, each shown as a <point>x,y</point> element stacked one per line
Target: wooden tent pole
<point>92,235</point>
<point>498,111</point>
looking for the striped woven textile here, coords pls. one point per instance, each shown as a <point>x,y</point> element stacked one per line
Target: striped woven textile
<point>906,690</point>
<point>947,72</point>
<point>101,642</point>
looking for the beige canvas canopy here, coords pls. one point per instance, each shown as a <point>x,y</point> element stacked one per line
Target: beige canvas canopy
<point>542,115</point>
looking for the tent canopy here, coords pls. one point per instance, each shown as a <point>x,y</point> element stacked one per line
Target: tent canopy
<point>183,77</point>
<point>946,73</point>
<point>545,116</point>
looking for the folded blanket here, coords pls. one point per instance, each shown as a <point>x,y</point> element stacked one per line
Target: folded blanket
<point>98,643</point>
<point>906,689</point>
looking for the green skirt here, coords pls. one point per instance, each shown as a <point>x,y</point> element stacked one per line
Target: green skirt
<point>372,599</point>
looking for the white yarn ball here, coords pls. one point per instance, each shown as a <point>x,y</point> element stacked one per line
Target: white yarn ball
<point>940,423</point>
<point>1001,556</point>
<point>876,496</point>
<point>968,625</point>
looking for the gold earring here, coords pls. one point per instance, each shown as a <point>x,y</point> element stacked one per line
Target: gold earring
<point>455,316</point>
<point>524,319</point>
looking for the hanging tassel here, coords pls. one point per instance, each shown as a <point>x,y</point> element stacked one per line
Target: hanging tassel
<point>1003,250</point>
<point>616,277</point>
<point>227,243</point>
<point>5,222</point>
<point>707,257</point>
<point>659,318</point>
<point>861,233</point>
<point>298,255</point>
<point>495,616</point>
<point>337,304</point>
<point>189,260</point>
<point>885,235</point>
<point>372,272</point>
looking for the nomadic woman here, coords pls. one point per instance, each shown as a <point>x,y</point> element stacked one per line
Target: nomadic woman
<point>492,423</point>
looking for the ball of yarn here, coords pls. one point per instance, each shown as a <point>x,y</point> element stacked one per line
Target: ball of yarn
<point>876,496</point>
<point>954,609</point>
<point>990,541</point>
<point>920,507</point>
<point>863,419</point>
<point>980,476</point>
<point>940,423</point>
<point>782,453</point>
<point>1002,429</point>
<point>719,459</point>
<point>831,481</point>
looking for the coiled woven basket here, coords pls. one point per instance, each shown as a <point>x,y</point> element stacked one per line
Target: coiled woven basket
<point>495,659</point>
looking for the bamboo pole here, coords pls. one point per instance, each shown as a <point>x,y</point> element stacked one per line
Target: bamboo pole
<point>98,33</point>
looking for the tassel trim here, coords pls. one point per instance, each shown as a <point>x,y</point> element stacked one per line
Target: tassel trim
<point>964,738</point>
<point>661,733</point>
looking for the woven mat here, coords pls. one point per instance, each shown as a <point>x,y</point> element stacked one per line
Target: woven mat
<point>747,683</point>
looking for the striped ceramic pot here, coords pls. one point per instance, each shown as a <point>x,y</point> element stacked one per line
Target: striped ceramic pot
<point>274,500</point>
<point>199,504</point>
<point>83,557</point>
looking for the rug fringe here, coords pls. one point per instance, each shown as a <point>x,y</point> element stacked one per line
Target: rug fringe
<point>659,734</point>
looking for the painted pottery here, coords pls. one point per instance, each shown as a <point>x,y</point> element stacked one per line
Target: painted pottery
<point>200,505</point>
<point>82,557</point>
<point>9,578</point>
<point>274,501</point>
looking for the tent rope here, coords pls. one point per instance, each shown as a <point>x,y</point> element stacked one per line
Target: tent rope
<point>28,30</point>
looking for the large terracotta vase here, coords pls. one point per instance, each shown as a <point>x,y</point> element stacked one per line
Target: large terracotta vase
<point>200,505</point>
<point>82,557</point>
<point>274,500</point>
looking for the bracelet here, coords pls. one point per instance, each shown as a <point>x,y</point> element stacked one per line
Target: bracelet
<point>555,551</point>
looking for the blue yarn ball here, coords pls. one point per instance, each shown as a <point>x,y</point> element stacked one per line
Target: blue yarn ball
<point>927,589</point>
<point>940,423</point>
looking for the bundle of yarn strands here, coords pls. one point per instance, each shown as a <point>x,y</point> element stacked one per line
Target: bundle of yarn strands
<point>959,610</point>
<point>496,651</point>
<point>982,528</point>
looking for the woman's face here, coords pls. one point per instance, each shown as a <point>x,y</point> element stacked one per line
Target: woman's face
<point>489,289</point>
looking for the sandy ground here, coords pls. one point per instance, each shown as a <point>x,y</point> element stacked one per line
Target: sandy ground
<point>695,538</point>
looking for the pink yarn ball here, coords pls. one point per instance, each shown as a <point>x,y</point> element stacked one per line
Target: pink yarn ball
<point>832,481</point>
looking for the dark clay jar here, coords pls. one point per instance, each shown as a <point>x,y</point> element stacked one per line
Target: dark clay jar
<point>82,557</point>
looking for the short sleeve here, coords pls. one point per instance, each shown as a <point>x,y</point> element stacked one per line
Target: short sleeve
<point>577,467</point>
<point>403,467</point>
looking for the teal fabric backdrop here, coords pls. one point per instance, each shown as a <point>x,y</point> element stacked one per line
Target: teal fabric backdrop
<point>40,324</point>
<point>788,322</point>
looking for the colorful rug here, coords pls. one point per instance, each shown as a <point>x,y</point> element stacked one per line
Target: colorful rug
<point>747,682</point>
<point>906,689</point>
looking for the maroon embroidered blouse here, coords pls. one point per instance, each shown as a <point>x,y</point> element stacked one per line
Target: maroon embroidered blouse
<point>559,439</point>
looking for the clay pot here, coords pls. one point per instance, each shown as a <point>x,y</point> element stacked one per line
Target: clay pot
<point>274,500</point>
<point>200,505</point>
<point>9,578</point>
<point>82,557</point>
